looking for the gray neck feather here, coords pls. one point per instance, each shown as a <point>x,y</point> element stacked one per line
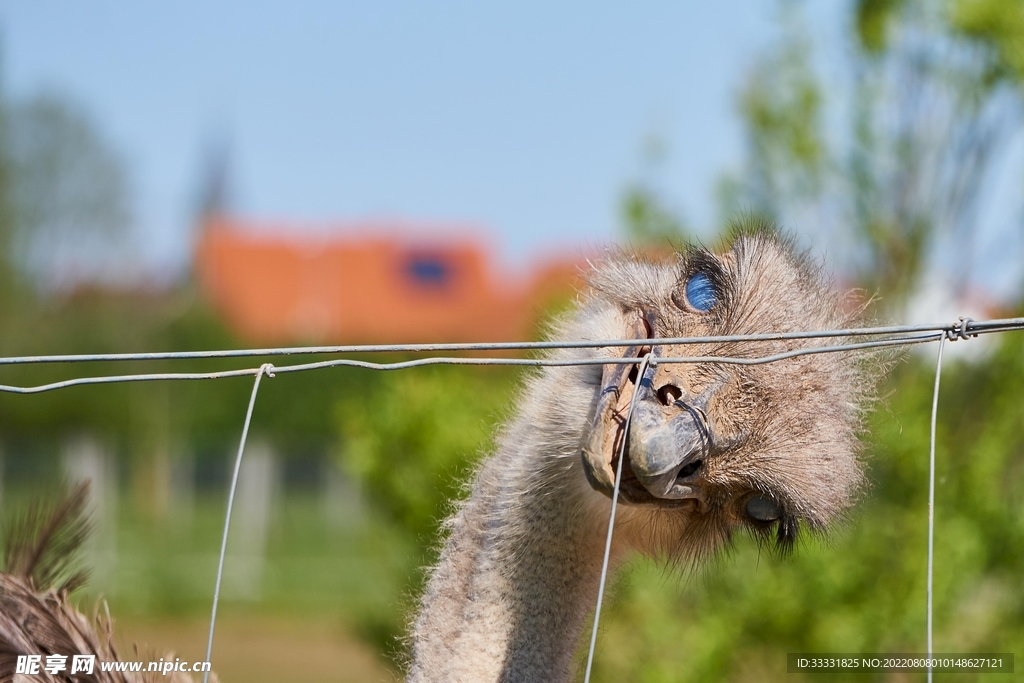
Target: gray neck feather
<point>519,572</point>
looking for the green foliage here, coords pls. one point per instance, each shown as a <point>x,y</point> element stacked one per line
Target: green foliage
<point>8,296</point>
<point>782,108</point>
<point>411,438</point>
<point>70,193</point>
<point>874,18</point>
<point>999,26</point>
<point>648,222</point>
<point>918,137</point>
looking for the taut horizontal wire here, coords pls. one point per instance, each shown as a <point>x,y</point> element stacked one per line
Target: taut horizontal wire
<point>972,327</point>
<point>542,362</point>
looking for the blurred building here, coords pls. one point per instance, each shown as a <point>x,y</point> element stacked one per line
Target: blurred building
<point>273,284</point>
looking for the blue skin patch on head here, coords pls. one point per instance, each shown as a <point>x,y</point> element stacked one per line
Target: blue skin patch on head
<point>700,292</point>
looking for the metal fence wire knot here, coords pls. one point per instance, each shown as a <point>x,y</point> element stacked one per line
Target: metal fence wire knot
<point>961,329</point>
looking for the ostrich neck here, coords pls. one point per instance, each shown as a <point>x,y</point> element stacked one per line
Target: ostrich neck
<point>517,576</point>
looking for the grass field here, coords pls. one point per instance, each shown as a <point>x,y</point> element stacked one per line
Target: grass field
<point>260,649</point>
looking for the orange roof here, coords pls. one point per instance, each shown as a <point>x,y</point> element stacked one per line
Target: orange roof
<point>274,286</point>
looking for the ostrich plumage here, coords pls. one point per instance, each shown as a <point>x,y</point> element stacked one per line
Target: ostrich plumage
<point>713,449</point>
<point>36,615</point>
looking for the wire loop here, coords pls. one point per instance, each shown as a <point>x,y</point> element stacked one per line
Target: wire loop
<point>961,329</point>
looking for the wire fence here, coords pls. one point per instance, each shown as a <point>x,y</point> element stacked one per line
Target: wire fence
<point>876,338</point>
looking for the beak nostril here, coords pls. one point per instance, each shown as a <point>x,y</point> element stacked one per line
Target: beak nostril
<point>669,394</point>
<point>689,469</point>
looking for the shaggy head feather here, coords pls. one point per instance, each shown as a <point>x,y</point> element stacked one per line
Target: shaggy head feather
<point>774,446</point>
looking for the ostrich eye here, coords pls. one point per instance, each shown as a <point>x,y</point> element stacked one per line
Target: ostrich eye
<point>763,509</point>
<point>700,292</point>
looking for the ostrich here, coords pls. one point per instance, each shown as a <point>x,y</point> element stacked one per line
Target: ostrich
<point>36,616</point>
<point>712,449</point>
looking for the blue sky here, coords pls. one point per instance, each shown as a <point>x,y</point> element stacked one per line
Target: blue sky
<point>527,120</point>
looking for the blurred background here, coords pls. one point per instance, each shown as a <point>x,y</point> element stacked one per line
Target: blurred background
<point>185,176</point>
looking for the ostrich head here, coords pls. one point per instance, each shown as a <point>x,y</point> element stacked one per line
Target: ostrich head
<point>716,447</point>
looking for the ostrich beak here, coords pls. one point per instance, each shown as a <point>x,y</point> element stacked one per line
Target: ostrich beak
<point>667,444</point>
<point>669,438</point>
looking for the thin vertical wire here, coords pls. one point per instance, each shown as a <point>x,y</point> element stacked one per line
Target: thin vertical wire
<point>611,517</point>
<point>931,500</point>
<point>265,369</point>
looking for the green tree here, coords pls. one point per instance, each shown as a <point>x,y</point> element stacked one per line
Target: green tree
<point>781,106</point>
<point>8,296</point>
<point>920,127</point>
<point>411,438</point>
<point>70,195</point>
<point>647,220</point>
